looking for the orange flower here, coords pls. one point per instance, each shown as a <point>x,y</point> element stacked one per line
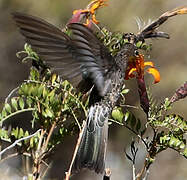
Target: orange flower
<point>90,10</point>
<point>137,65</point>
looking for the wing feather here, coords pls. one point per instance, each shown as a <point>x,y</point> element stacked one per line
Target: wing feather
<point>78,57</point>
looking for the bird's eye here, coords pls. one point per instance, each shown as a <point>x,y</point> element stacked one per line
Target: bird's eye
<point>136,53</point>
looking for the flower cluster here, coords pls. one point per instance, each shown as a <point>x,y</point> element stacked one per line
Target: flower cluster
<point>88,12</point>
<point>138,65</point>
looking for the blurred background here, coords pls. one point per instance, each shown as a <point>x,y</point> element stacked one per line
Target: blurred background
<point>169,56</point>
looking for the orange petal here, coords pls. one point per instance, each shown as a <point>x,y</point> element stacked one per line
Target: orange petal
<point>81,11</point>
<point>127,76</point>
<point>95,4</point>
<point>131,71</point>
<point>182,10</point>
<point>155,73</point>
<point>87,22</point>
<point>75,11</point>
<point>94,19</point>
<point>149,63</point>
<point>94,7</point>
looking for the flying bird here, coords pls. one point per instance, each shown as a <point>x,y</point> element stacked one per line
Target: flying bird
<point>83,60</point>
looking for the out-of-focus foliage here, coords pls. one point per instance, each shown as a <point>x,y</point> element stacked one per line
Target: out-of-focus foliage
<point>50,100</point>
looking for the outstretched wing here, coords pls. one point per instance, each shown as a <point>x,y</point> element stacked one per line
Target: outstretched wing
<point>77,58</point>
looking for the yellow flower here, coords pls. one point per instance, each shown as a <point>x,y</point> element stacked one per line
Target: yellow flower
<point>138,65</point>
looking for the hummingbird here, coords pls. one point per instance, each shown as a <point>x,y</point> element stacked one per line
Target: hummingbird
<point>82,59</point>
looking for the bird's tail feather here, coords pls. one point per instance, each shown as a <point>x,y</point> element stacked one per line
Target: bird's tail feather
<point>92,148</point>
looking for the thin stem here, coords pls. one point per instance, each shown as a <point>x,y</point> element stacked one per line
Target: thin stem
<point>76,119</point>
<point>45,171</point>
<point>122,124</point>
<point>140,174</point>
<point>17,112</point>
<point>13,155</point>
<point>40,153</point>
<point>49,136</point>
<point>8,157</point>
<point>10,94</point>
<point>40,82</point>
<point>146,175</point>
<point>84,109</point>
<point>112,120</point>
<point>129,106</point>
<point>19,140</point>
<point>37,158</point>
<point>40,140</point>
<point>68,174</point>
<point>133,172</point>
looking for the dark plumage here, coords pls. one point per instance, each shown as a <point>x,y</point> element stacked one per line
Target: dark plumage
<point>83,60</point>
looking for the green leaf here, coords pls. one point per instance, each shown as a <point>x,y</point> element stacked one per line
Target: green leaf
<point>21,133</point>
<point>185,152</point>
<point>127,115</point>
<point>138,44</point>
<point>32,142</point>
<point>4,113</point>
<point>15,132</point>
<point>144,46</point>
<point>35,91</point>
<point>125,91</point>
<point>117,114</point>
<point>34,74</point>
<point>25,135</point>
<point>174,123</point>
<point>7,107</point>
<point>21,103</point>
<point>3,133</point>
<point>23,89</point>
<point>167,104</point>
<point>53,78</point>
<point>14,103</point>
<point>35,140</point>
<point>30,89</point>
<point>173,141</point>
<point>61,131</point>
<point>182,146</point>
<point>29,102</point>
<point>49,113</point>
<point>40,90</point>
<point>45,93</point>
<point>51,95</point>
<point>164,139</point>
